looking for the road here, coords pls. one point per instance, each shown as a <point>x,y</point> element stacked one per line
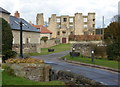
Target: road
<point>103,76</point>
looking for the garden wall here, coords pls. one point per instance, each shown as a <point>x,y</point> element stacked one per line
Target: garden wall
<point>35,72</point>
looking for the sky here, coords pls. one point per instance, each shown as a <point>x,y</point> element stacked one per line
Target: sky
<point>29,8</point>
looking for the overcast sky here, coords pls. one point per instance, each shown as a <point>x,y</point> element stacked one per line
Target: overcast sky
<point>29,8</point>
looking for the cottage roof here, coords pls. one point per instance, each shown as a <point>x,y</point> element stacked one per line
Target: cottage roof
<point>42,28</point>
<point>4,11</point>
<point>15,24</point>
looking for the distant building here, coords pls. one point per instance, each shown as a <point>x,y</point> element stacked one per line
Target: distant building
<point>63,26</point>
<point>44,32</point>
<point>99,31</point>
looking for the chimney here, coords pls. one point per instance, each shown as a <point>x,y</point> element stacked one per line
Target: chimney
<point>17,14</point>
<point>30,22</point>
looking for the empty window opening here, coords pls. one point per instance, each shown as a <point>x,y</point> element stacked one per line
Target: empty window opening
<point>58,33</point>
<point>85,26</point>
<point>64,19</point>
<point>63,32</point>
<point>71,19</point>
<point>58,19</point>
<point>85,20</point>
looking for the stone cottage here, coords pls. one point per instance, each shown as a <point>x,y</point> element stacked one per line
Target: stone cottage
<point>31,35</point>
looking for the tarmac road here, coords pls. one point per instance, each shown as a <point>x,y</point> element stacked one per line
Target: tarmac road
<point>103,76</point>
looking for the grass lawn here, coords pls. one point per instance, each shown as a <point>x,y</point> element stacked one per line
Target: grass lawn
<point>101,62</point>
<point>57,48</point>
<point>0,78</point>
<point>13,80</point>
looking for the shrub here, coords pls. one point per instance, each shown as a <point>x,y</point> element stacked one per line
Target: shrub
<point>8,69</point>
<point>7,37</point>
<point>26,60</point>
<point>113,51</point>
<point>9,54</point>
<point>26,56</point>
<point>44,39</point>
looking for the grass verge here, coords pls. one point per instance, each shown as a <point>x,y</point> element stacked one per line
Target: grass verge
<point>14,80</point>
<point>57,48</point>
<point>101,62</point>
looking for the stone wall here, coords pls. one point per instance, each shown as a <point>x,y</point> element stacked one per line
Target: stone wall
<point>86,48</point>
<point>35,72</point>
<point>27,48</point>
<point>32,48</point>
<point>73,79</point>
<point>48,43</point>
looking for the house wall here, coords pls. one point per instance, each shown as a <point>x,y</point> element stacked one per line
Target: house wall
<point>31,41</point>
<point>45,35</point>
<point>30,37</point>
<point>5,16</point>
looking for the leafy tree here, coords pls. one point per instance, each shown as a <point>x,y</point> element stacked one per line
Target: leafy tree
<point>112,38</point>
<point>116,18</point>
<point>112,33</point>
<point>7,37</point>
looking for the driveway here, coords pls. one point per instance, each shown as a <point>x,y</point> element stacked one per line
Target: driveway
<point>103,76</point>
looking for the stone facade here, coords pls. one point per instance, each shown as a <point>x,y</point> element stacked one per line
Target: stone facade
<point>40,19</point>
<point>31,41</point>
<point>63,26</point>
<point>47,44</point>
<point>28,37</point>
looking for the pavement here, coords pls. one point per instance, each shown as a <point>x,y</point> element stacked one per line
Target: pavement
<point>103,76</point>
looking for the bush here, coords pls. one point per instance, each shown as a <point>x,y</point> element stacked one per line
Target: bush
<point>26,60</point>
<point>25,56</point>
<point>9,54</point>
<point>113,51</point>
<point>7,38</point>
<point>8,69</point>
<point>44,39</point>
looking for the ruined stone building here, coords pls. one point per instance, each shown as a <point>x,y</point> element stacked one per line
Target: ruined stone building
<point>63,26</point>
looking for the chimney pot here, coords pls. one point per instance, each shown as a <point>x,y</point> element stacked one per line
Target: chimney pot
<point>17,14</point>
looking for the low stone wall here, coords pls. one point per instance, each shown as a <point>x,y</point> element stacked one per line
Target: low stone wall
<point>27,48</point>
<point>35,72</point>
<point>86,48</point>
<point>47,44</point>
<point>74,79</point>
